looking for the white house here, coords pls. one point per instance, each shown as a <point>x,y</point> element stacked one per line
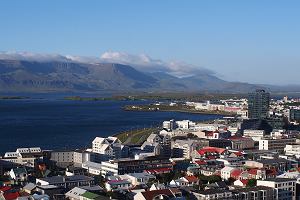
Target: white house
<point>18,174</point>
<point>140,178</point>
<point>75,193</point>
<point>115,185</point>
<point>226,172</point>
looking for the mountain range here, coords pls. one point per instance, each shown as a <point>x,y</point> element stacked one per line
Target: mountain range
<point>66,76</point>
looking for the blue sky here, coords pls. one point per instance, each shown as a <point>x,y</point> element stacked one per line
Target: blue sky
<point>251,41</point>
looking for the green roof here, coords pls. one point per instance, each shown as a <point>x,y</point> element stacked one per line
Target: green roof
<point>90,195</point>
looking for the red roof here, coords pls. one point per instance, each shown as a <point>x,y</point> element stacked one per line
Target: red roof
<point>238,153</point>
<point>200,162</point>
<point>159,170</point>
<point>271,172</point>
<point>150,195</point>
<point>211,150</point>
<point>11,195</point>
<point>5,188</point>
<point>244,181</point>
<point>238,138</point>
<point>252,171</point>
<point>191,179</point>
<point>236,173</point>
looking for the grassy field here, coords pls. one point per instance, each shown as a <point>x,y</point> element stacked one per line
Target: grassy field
<point>136,136</point>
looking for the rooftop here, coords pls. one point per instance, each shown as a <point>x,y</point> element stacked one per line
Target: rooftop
<point>278,180</point>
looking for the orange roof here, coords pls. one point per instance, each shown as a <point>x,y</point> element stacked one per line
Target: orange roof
<point>191,179</point>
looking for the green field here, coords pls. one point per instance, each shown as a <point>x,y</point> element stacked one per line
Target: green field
<point>137,136</point>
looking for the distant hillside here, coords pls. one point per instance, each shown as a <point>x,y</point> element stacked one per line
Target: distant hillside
<point>60,76</point>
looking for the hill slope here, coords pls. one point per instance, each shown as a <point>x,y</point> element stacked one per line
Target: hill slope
<point>60,76</point>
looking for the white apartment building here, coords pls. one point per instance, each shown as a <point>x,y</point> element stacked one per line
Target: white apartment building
<point>92,167</point>
<point>105,145</point>
<point>109,168</point>
<point>24,156</point>
<point>62,158</point>
<point>256,135</point>
<point>184,148</point>
<point>285,187</point>
<point>292,150</point>
<point>169,125</point>
<point>275,144</point>
<point>185,124</point>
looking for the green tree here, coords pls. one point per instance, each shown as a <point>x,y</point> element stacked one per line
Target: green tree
<point>251,183</point>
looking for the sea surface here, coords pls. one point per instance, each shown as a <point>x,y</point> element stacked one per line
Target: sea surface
<point>63,124</point>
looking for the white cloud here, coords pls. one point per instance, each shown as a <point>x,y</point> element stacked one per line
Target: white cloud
<point>141,62</point>
<point>146,63</point>
<point>31,56</point>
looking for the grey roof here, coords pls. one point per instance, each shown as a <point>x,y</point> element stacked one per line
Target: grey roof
<point>19,170</point>
<point>92,188</point>
<point>62,179</point>
<point>29,186</point>
<point>257,188</point>
<point>272,161</point>
<point>212,191</point>
<point>280,179</point>
<point>219,184</point>
<point>141,175</point>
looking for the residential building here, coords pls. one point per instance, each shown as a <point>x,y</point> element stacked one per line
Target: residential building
<point>169,125</point>
<point>158,194</point>
<point>129,165</point>
<point>213,194</point>
<point>258,192</point>
<point>139,178</point>
<point>226,172</point>
<point>285,187</point>
<point>275,144</point>
<point>241,143</point>
<point>66,181</point>
<point>295,115</point>
<point>292,150</point>
<point>75,193</point>
<point>92,167</point>
<point>109,147</point>
<point>279,164</point>
<point>185,181</point>
<point>24,156</point>
<point>184,148</point>
<point>118,184</point>
<point>63,158</point>
<point>254,134</point>
<point>18,174</point>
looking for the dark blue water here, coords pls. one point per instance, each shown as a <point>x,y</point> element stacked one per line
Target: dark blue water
<point>60,124</point>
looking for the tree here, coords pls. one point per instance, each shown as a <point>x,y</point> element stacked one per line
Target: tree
<point>251,183</point>
<point>231,180</point>
<point>214,178</point>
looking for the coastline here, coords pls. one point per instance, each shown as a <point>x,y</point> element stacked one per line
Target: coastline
<point>155,108</point>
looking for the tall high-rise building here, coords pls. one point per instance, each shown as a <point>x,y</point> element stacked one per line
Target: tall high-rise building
<point>258,104</point>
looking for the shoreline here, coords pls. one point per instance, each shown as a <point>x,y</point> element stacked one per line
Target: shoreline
<point>149,108</point>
